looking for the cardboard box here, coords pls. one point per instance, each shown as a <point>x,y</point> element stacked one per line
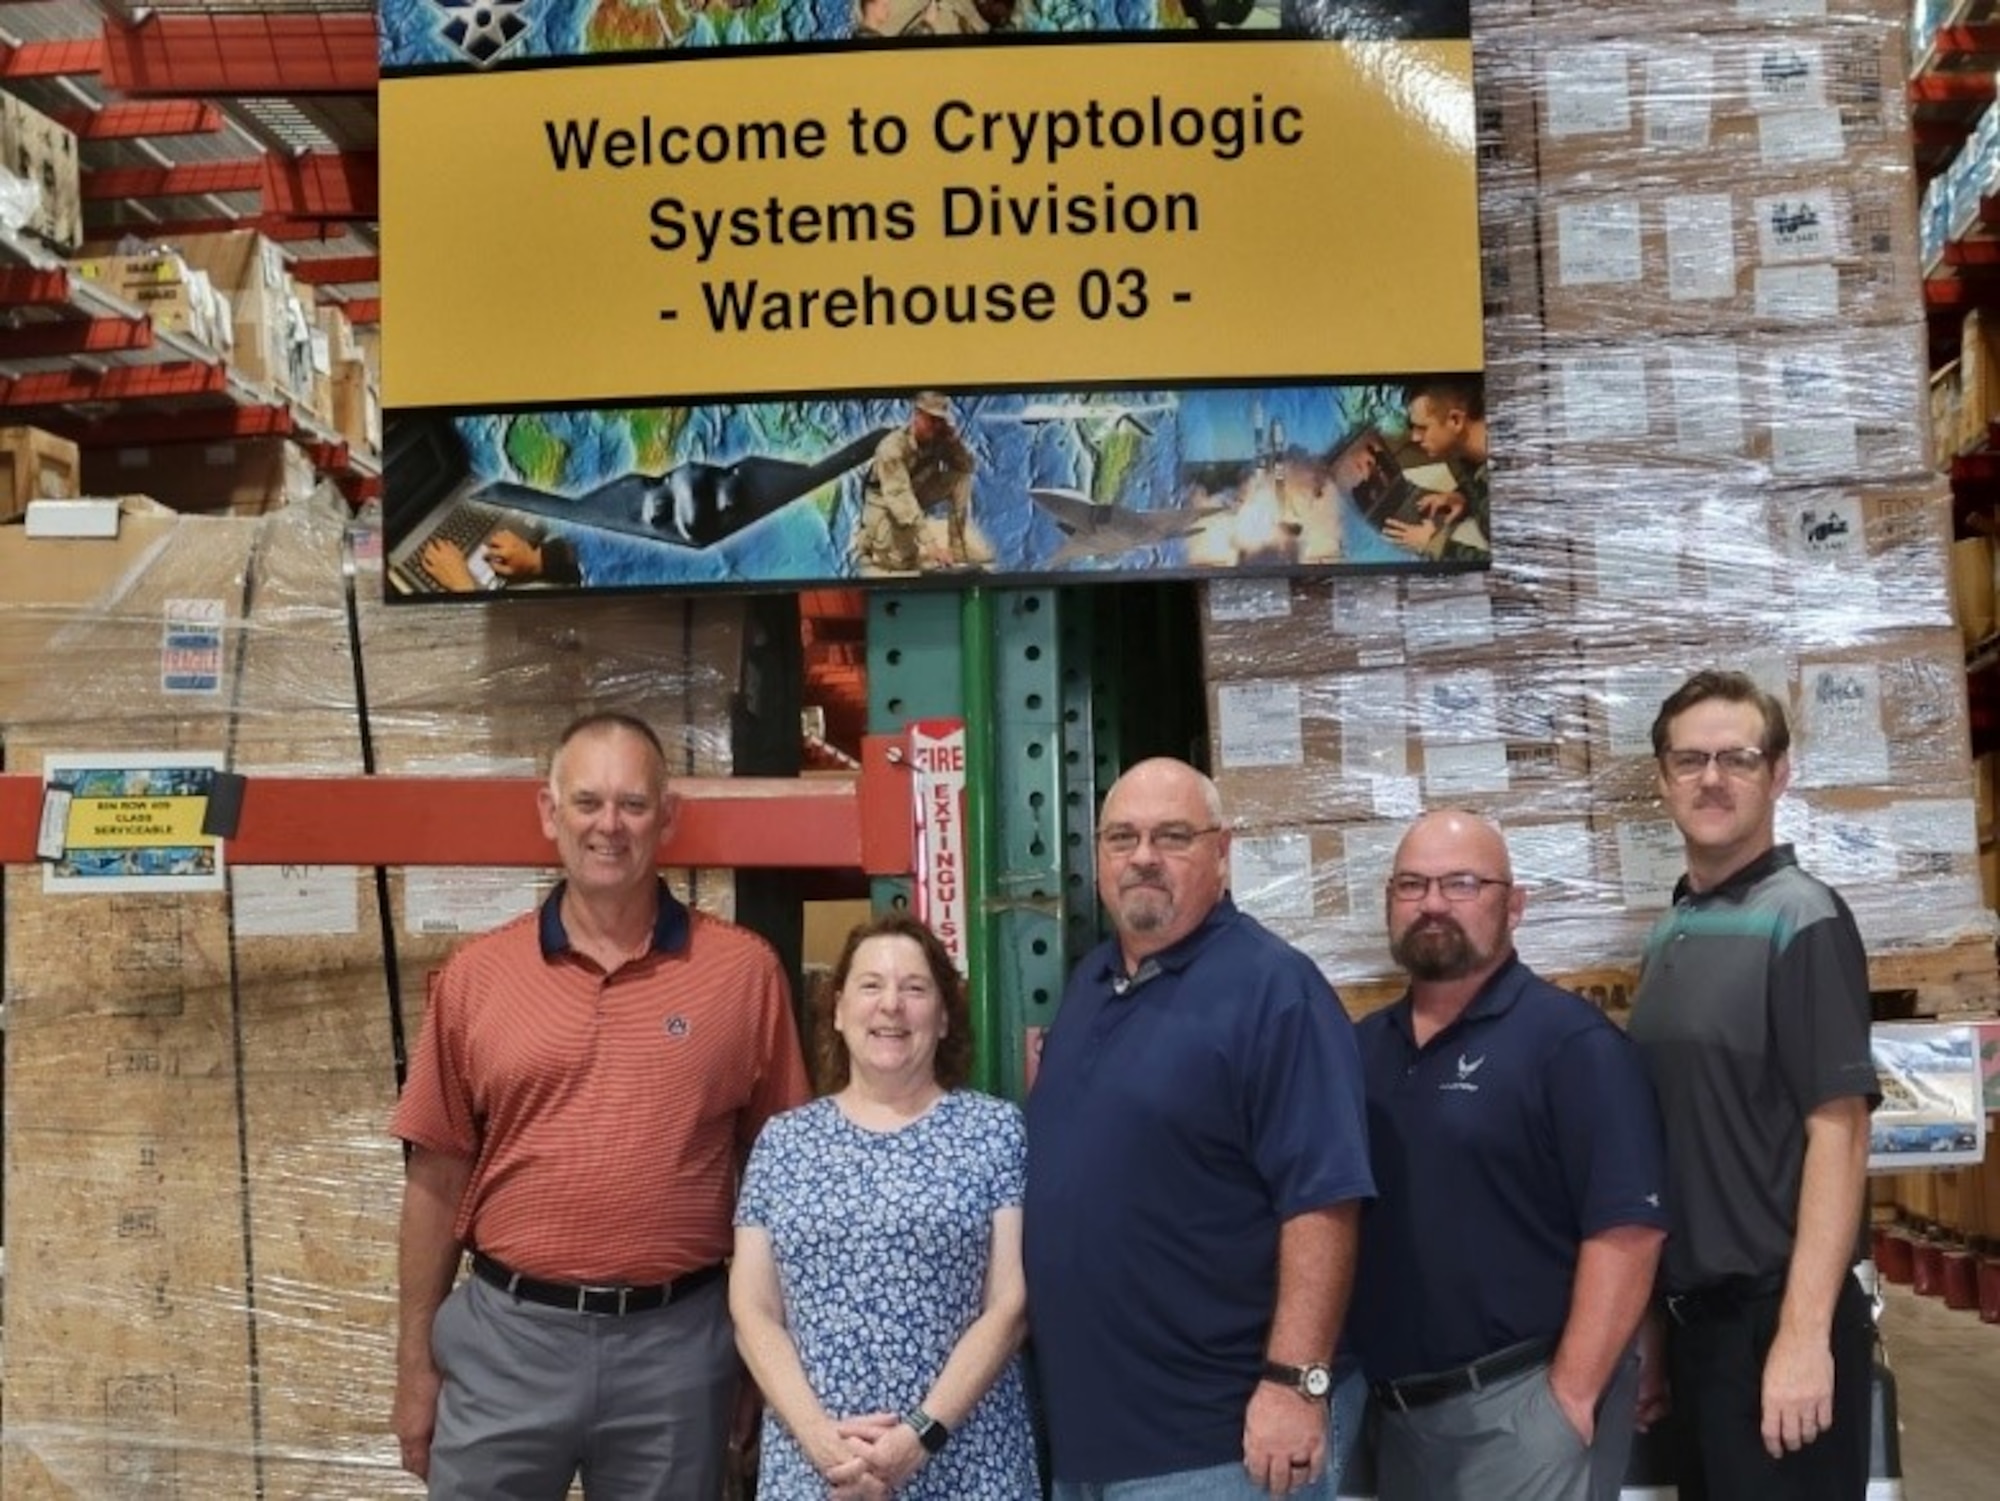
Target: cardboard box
<point>1257,628</point>
<point>357,406</point>
<point>1766,565</point>
<point>1614,108</point>
<point>1795,250</point>
<point>1979,381</point>
<point>35,465</point>
<point>1786,409</point>
<point>1384,743</point>
<point>243,478</point>
<point>1947,409</point>
<point>34,149</point>
<point>1972,588</point>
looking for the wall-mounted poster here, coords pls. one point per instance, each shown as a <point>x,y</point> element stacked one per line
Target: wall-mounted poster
<point>764,296</point>
<point>1933,1110</point>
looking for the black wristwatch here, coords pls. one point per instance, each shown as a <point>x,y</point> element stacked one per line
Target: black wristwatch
<point>932,1434</point>
<point>1313,1382</point>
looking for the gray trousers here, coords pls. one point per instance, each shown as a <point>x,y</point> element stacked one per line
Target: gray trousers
<point>1508,1441</point>
<point>533,1397</point>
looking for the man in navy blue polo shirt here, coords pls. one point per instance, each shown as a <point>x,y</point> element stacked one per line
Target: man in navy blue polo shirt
<point>1507,1262</point>
<point>1196,1162</point>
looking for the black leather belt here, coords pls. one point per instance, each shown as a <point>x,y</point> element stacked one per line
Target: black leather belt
<point>585,1299</point>
<point>1422,1391</point>
<point>1722,1299</point>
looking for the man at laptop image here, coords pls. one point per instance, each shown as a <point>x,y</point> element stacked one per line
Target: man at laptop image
<point>517,554</point>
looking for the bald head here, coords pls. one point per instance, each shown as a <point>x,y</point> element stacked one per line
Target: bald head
<point>1463,930</point>
<point>1162,854</point>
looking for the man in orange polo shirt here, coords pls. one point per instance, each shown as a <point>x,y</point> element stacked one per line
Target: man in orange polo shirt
<point>589,1081</point>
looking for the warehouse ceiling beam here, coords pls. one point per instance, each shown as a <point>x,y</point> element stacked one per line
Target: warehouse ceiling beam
<point>745,823</point>
<point>292,52</point>
<point>143,429</point>
<point>139,119</point>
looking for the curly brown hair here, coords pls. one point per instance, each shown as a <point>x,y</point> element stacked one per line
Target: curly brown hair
<point>952,1065</point>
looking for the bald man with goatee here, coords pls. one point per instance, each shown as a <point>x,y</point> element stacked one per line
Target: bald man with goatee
<point>1507,1261</point>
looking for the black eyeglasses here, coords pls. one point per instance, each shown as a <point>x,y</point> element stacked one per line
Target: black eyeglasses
<point>1458,886</point>
<point>1122,839</point>
<point>1741,761</point>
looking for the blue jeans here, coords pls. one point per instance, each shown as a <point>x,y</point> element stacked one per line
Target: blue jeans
<point>1231,1482</point>
<point>1350,1402</point>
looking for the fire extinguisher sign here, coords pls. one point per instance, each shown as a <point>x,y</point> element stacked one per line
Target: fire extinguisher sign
<point>937,756</point>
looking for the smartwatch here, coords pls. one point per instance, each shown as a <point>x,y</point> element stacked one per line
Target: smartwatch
<point>1313,1382</point>
<point>932,1434</point>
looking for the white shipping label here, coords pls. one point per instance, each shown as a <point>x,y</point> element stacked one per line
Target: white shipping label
<point>295,901</point>
<point>1597,243</point>
<point>1585,91</point>
<point>1249,599</point>
<point>1366,607</point>
<point>1396,797</point>
<point>1375,725</point>
<point>1552,855</point>
<point>1780,10</point>
<point>1679,93</point>
<point>1453,621</point>
<point>1852,848</point>
<point>1604,396</point>
<point>1794,137</point>
<point>1271,875</point>
<point>1450,770</point>
<point>1820,447</point>
<point>1651,858</point>
<point>1707,398</point>
<point>1632,699</point>
<point>1787,72</point>
<point>1701,247</point>
<point>1370,852</point>
<point>1457,706</point>
<point>1262,724</point>
<point>444,899</point>
<point>1842,739</point>
<point>1636,559</point>
<point>1798,294</point>
<point>1796,227</point>
<point>1936,825</point>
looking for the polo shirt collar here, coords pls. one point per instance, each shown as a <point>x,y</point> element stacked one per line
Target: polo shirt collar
<point>1495,998</point>
<point>1168,960</point>
<point>670,924</point>
<point>1776,858</point>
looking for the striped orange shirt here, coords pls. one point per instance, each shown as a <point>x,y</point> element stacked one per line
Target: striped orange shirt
<point>606,1115</point>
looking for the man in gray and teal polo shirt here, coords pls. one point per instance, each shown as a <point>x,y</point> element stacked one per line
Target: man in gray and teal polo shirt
<point>1753,1016</point>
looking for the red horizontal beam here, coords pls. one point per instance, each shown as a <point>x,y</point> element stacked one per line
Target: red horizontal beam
<point>179,53</point>
<point>323,185</point>
<point>42,341</point>
<point>329,270</point>
<point>51,59</point>
<point>45,388</point>
<point>181,180</point>
<point>1979,39</point>
<point>21,286</point>
<point>1951,88</point>
<point>1972,252</point>
<point>271,226</point>
<point>134,119</point>
<point>142,429</point>
<point>745,823</point>
<point>363,309</point>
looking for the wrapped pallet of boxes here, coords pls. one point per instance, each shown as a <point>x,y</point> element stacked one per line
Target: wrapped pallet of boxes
<point>244,477</point>
<point>250,270</point>
<point>201,1194</point>
<point>38,158</point>
<point>1711,439</point>
<point>35,465</point>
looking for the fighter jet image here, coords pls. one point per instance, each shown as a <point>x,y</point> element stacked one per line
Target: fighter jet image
<point>1091,530</point>
<point>1108,415</point>
<point>694,504</point>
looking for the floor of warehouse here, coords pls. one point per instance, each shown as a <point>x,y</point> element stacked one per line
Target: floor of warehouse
<point>1947,1368</point>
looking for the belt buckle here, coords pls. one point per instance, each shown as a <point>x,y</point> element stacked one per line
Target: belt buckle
<point>586,1292</point>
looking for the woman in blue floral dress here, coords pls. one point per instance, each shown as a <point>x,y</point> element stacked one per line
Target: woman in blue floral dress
<point>877,1286</point>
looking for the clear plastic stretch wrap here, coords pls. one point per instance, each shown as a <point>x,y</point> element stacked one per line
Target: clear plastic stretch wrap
<point>1707,388</point>
<point>201,1197</point>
